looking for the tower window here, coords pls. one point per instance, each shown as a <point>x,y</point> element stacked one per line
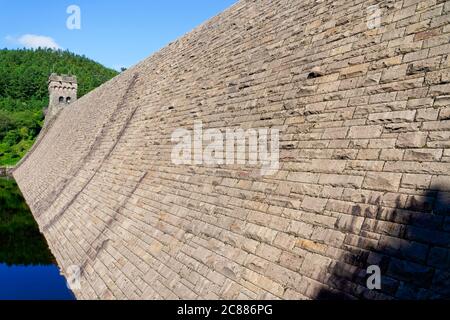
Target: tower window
<point>61,99</point>
<point>68,100</point>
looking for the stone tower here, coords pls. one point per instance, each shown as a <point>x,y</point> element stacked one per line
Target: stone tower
<point>63,91</point>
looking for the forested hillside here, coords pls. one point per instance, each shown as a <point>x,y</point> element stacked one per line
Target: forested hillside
<point>24,94</point>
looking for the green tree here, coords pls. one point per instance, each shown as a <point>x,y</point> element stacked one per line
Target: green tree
<point>24,93</point>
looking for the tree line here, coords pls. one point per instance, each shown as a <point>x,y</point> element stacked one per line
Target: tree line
<point>24,92</point>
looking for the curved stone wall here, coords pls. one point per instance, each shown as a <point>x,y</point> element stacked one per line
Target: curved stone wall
<point>364,176</point>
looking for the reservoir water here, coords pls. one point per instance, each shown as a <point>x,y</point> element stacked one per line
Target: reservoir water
<point>28,270</point>
<point>32,283</point>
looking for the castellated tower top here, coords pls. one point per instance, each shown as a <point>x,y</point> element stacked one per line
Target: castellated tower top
<point>63,91</point>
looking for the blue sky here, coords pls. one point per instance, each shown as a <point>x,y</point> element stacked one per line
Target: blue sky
<point>116,33</point>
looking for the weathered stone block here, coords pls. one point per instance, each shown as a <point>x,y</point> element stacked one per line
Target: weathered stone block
<point>341,180</point>
<point>364,132</point>
<point>300,229</point>
<point>445,113</point>
<point>394,73</point>
<point>315,266</point>
<point>382,181</point>
<point>349,223</point>
<point>442,101</point>
<point>428,114</point>
<point>391,154</point>
<point>420,203</point>
<point>397,116</point>
<point>335,133</point>
<point>314,204</point>
<point>441,183</point>
<point>291,261</point>
<point>354,71</point>
<point>423,155</point>
<point>412,140</point>
<point>404,13</point>
<point>416,181</point>
<point>403,249</point>
<point>422,66</point>
<point>437,125</point>
<point>268,252</point>
<point>304,177</point>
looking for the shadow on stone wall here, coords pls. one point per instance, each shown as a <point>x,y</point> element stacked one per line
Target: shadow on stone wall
<point>415,263</point>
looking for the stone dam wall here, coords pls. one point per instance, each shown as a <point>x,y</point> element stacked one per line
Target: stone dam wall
<point>364,176</point>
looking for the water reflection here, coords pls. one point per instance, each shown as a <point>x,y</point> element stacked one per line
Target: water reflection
<point>32,283</point>
<point>27,267</point>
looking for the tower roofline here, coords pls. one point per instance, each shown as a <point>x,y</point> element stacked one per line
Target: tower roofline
<point>62,78</point>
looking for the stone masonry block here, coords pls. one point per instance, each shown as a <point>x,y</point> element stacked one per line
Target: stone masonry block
<point>384,181</point>
<point>416,181</point>
<point>364,132</point>
<point>314,204</point>
<point>396,116</point>
<point>412,140</point>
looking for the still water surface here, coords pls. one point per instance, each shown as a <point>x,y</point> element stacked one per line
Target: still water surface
<point>27,268</point>
<point>32,283</point>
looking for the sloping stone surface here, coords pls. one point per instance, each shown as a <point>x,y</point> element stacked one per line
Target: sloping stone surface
<point>365,164</point>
